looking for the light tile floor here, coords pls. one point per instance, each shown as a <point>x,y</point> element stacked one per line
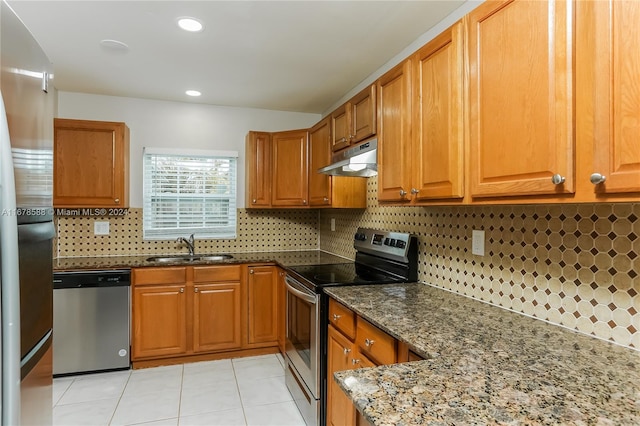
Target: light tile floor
<point>241,391</point>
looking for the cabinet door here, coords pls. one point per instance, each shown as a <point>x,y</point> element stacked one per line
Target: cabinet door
<point>340,409</point>
<point>521,97</point>
<point>616,146</point>
<point>319,156</point>
<point>340,127</point>
<point>263,304</point>
<point>394,138</point>
<point>159,321</point>
<point>290,169</point>
<point>216,317</point>
<point>363,114</point>
<point>90,164</point>
<point>258,170</point>
<point>438,120</point>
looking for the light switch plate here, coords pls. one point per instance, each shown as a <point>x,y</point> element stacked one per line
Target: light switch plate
<point>477,242</point>
<point>101,228</point>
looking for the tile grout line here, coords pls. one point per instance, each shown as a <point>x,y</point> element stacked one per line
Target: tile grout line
<point>120,398</point>
<point>244,414</point>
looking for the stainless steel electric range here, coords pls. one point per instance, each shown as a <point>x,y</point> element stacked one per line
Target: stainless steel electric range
<point>381,257</point>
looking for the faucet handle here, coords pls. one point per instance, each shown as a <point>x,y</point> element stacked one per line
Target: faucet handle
<point>192,238</point>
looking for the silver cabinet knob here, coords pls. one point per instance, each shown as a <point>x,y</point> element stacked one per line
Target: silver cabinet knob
<point>326,199</point>
<point>195,289</point>
<point>304,202</point>
<point>346,351</point>
<point>557,179</point>
<point>597,178</point>
<point>369,342</point>
<point>403,192</point>
<point>254,201</point>
<point>355,361</point>
<point>117,201</point>
<point>336,317</point>
<point>182,290</point>
<point>251,271</point>
<point>414,191</point>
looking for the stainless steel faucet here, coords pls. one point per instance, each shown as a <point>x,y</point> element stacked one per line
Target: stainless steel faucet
<point>190,242</point>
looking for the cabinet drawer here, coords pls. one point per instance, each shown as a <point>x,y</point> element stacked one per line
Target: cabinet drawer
<point>208,274</point>
<point>169,275</point>
<point>342,318</point>
<point>375,343</point>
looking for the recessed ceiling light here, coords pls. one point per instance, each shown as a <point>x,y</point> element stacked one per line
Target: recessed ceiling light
<point>193,93</point>
<point>114,46</point>
<point>190,24</point>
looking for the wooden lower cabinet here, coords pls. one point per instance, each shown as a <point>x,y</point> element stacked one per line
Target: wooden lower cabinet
<point>262,285</point>
<point>216,317</point>
<point>187,311</point>
<point>347,352</point>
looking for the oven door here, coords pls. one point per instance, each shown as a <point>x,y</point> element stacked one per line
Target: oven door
<point>302,344</point>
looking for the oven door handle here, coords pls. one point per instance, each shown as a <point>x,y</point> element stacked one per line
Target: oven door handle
<point>301,294</point>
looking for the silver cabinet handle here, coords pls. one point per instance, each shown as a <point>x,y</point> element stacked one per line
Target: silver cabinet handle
<point>557,179</point>
<point>336,317</point>
<point>369,342</point>
<point>346,351</point>
<point>597,178</point>
<point>414,191</point>
<point>403,192</point>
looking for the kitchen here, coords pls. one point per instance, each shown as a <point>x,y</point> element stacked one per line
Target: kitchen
<point>568,263</point>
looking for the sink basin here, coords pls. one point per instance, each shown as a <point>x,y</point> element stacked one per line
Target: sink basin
<point>215,257</point>
<point>187,258</point>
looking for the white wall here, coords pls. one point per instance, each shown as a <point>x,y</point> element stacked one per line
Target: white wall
<point>177,124</point>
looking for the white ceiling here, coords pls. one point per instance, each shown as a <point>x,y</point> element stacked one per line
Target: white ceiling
<point>283,55</point>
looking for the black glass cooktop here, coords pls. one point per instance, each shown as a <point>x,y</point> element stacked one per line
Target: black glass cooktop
<point>342,274</point>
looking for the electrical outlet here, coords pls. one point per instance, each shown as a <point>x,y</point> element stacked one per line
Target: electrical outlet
<point>477,242</point>
<point>101,228</point>
<point>333,224</point>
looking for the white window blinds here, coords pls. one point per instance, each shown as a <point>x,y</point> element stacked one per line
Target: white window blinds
<point>189,192</point>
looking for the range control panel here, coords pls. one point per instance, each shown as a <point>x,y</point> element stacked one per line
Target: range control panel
<point>394,245</point>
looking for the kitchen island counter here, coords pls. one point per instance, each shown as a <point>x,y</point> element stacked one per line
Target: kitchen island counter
<point>283,258</point>
<point>485,365</point>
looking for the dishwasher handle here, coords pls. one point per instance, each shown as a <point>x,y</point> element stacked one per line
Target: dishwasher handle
<point>90,279</point>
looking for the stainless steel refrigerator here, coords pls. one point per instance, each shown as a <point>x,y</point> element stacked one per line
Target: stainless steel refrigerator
<point>26,225</point>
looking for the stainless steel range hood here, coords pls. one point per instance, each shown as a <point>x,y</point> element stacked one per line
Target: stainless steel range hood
<point>359,161</point>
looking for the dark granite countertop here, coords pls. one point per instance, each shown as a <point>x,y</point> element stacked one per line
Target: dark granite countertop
<point>486,365</point>
<point>283,258</point>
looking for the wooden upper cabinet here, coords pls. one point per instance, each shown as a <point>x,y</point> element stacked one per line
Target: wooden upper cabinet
<point>521,98</point>
<point>394,134</point>
<point>258,169</point>
<point>340,128</point>
<point>355,120</point>
<point>614,31</point>
<point>363,114</point>
<point>438,117</point>
<point>290,169</point>
<point>90,164</point>
<point>319,156</point>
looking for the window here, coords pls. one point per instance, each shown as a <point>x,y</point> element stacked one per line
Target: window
<point>189,192</point>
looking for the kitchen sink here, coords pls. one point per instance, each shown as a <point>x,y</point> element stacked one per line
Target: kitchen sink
<point>188,259</point>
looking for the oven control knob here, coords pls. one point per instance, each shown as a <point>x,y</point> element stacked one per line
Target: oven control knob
<point>360,236</point>
<point>386,241</point>
<point>392,243</point>
<point>401,244</point>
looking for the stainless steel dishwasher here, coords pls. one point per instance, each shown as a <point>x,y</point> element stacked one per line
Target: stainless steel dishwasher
<point>91,325</point>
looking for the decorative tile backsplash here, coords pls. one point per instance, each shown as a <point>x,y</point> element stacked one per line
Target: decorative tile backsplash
<point>575,265</point>
<point>258,230</point>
